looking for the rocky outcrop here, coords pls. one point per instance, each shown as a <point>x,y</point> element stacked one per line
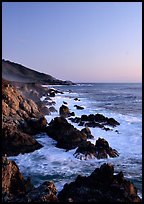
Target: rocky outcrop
<point>44,193</point>
<point>100,150</point>
<point>17,131</point>
<point>65,134</point>
<point>14,141</point>
<point>101,186</point>
<point>13,182</point>
<point>16,72</point>
<point>15,188</point>
<point>97,120</point>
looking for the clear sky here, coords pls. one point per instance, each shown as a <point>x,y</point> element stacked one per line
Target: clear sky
<point>77,41</point>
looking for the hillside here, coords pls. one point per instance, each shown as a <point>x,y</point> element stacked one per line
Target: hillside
<point>16,72</point>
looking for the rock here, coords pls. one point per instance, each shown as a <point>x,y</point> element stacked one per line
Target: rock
<point>76,99</point>
<point>13,182</point>
<point>100,150</point>
<point>16,189</point>
<point>64,133</point>
<point>96,120</point>
<point>44,193</point>
<point>64,102</point>
<point>101,186</point>
<point>35,126</point>
<point>87,131</point>
<point>64,111</point>
<point>15,141</point>
<point>52,109</point>
<point>79,107</point>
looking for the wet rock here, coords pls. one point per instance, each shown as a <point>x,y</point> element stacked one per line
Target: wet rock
<point>64,111</point>
<point>79,107</point>
<point>44,193</point>
<point>76,99</point>
<point>101,186</point>
<point>100,150</point>
<point>15,188</point>
<point>87,131</point>
<point>52,109</point>
<point>13,182</point>
<point>97,120</point>
<point>15,141</point>
<point>64,133</point>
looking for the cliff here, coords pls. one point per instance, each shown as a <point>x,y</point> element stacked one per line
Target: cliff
<point>16,72</point>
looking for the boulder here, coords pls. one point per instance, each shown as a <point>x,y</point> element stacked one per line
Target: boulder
<point>79,107</point>
<point>101,186</point>
<point>15,141</point>
<point>46,192</point>
<point>64,111</point>
<point>65,134</point>
<point>87,131</point>
<point>100,150</point>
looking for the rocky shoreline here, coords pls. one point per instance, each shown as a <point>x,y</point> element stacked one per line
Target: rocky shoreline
<point>23,117</point>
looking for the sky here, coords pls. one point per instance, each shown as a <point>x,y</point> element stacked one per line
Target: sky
<point>77,41</point>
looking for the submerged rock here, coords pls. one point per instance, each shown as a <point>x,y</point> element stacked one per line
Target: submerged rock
<point>101,186</point>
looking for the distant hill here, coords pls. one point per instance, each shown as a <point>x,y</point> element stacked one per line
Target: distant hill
<point>16,72</point>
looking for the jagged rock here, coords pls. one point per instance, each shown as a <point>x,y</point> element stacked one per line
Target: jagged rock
<point>64,133</point>
<point>44,193</point>
<point>15,141</point>
<point>13,182</point>
<point>100,150</point>
<point>97,120</point>
<point>101,186</point>
<point>16,189</point>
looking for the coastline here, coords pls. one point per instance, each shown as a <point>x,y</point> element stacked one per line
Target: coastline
<point>57,113</point>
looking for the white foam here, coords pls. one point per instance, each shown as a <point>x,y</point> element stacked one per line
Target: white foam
<point>60,166</point>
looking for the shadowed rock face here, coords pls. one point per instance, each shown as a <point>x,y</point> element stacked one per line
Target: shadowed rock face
<point>101,186</point>
<point>65,134</point>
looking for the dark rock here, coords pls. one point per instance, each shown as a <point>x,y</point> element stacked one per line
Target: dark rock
<point>76,99</point>
<point>101,186</point>
<point>64,111</point>
<point>64,133</point>
<point>79,107</point>
<point>44,193</point>
<point>100,150</point>
<point>15,141</point>
<point>65,102</point>
<point>72,114</point>
<point>112,122</point>
<point>16,189</point>
<point>97,120</point>
<point>87,131</point>
<point>52,109</point>
<point>52,94</point>
<point>35,126</point>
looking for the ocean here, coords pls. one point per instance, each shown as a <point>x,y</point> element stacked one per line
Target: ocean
<point>123,102</point>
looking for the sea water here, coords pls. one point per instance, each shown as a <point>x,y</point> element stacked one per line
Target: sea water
<point>122,102</point>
